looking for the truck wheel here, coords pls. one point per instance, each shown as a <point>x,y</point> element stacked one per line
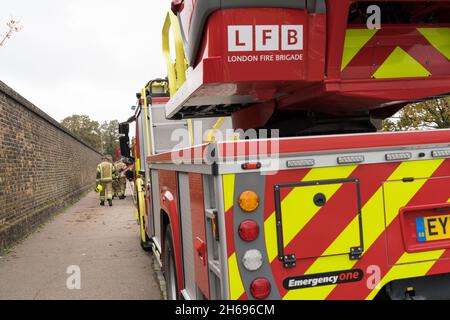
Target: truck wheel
<point>170,271</point>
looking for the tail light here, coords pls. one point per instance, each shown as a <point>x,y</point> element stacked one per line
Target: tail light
<point>248,230</point>
<point>252,260</point>
<point>248,201</point>
<point>260,288</point>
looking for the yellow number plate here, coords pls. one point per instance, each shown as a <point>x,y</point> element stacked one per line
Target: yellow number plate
<point>433,228</point>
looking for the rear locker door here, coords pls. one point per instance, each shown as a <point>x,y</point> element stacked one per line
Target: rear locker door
<point>304,201</point>
<point>186,235</point>
<point>419,230</point>
<point>198,217</point>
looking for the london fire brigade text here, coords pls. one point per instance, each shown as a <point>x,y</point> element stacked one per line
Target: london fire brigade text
<point>266,58</point>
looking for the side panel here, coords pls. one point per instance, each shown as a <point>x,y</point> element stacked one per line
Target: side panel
<point>198,233</point>
<point>186,235</point>
<point>323,266</point>
<point>403,237</point>
<point>168,188</point>
<point>361,278</point>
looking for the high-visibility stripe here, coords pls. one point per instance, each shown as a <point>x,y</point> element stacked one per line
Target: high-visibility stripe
<point>407,267</point>
<point>228,191</point>
<point>373,225</point>
<point>400,65</point>
<point>408,56</point>
<point>293,219</point>
<point>228,182</point>
<point>332,219</point>
<point>236,286</point>
<point>284,176</point>
<point>339,212</point>
<point>439,38</point>
<point>442,265</point>
<point>434,191</point>
<point>234,277</point>
<point>355,40</point>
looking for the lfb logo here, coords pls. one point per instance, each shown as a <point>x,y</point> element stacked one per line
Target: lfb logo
<point>265,38</point>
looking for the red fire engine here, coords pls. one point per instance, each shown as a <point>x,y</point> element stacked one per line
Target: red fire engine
<point>329,208</point>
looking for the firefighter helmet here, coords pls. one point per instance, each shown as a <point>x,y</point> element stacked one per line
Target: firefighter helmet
<point>99,188</point>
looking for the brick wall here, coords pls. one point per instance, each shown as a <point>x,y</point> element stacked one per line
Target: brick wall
<point>43,167</point>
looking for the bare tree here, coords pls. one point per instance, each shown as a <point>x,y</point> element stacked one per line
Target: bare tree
<point>13,26</point>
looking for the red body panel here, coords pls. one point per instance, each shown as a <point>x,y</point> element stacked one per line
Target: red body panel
<point>199,232</point>
<point>314,82</point>
<point>334,217</point>
<point>311,241</point>
<point>169,204</point>
<point>408,226</point>
<point>230,149</point>
<point>379,250</point>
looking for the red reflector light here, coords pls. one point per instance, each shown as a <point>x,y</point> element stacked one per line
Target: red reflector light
<point>260,288</point>
<point>251,166</point>
<point>248,230</point>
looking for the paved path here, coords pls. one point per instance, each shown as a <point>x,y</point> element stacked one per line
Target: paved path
<point>102,241</point>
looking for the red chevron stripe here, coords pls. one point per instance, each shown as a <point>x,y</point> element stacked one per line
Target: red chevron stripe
<point>436,192</point>
<point>442,265</point>
<point>428,56</point>
<point>243,296</point>
<point>309,240</point>
<point>287,176</point>
<point>384,42</point>
<point>269,204</point>
<point>229,221</point>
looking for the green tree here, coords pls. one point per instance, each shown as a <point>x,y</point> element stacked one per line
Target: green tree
<point>85,128</point>
<point>104,137</point>
<point>110,136</point>
<point>431,114</point>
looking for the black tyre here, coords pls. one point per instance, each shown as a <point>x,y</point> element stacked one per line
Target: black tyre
<point>170,270</point>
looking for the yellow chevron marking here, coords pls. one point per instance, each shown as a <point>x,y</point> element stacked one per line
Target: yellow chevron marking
<point>439,38</point>
<point>407,267</point>
<point>236,286</point>
<point>355,40</point>
<point>373,225</point>
<point>228,191</point>
<point>400,65</point>
<point>298,208</point>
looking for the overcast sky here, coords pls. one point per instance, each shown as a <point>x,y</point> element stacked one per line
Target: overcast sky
<point>83,56</point>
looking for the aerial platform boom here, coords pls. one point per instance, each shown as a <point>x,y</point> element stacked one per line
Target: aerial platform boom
<point>314,61</point>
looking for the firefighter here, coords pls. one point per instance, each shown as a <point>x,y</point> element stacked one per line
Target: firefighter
<point>120,180</point>
<point>105,172</point>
